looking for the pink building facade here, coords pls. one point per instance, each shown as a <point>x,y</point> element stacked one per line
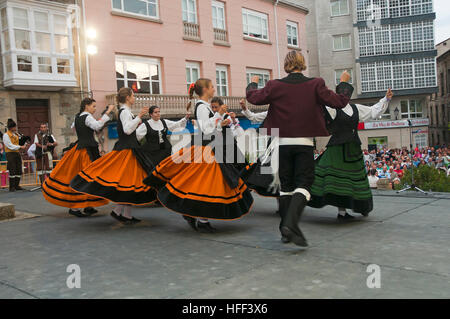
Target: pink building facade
<point>160,46</point>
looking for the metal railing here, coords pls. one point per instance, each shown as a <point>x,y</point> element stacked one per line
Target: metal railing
<point>175,105</point>
<point>29,174</point>
<point>191,31</point>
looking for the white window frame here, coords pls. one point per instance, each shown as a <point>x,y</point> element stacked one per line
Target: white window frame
<point>262,73</point>
<point>292,25</point>
<point>340,8</point>
<point>191,66</point>
<point>216,5</point>
<point>262,16</point>
<point>338,73</point>
<point>219,85</point>
<point>122,10</point>
<point>342,36</point>
<point>188,12</point>
<point>407,115</point>
<point>35,77</point>
<point>149,61</point>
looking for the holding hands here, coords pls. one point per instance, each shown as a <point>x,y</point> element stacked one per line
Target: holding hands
<point>143,112</point>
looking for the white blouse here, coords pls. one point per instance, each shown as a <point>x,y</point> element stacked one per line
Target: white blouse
<point>365,112</point>
<point>128,123</point>
<point>92,123</point>
<point>159,126</point>
<point>205,123</point>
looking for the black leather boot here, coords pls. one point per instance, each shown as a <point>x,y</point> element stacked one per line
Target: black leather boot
<point>283,206</point>
<point>289,225</point>
<point>17,184</point>
<point>12,184</point>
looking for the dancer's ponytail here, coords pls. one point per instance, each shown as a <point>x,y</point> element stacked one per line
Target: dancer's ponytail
<point>197,88</point>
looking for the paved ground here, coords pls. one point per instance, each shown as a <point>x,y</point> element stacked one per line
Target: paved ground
<point>408,237</point>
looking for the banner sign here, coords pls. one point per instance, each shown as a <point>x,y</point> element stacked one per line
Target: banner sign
<point>392,124</point>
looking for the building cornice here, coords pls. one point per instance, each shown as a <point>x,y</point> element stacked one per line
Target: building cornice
<point>395,57</point>
<point>42,4</point>
<point>401,92</point>
<point>290,4</point>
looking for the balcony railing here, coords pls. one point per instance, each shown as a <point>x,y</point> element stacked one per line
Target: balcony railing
<point>221,35</point>
<point>191,31</point>
<point>175,105</point>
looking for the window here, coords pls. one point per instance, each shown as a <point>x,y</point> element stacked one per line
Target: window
<point>255,24</point>
<point>338,73</point>
<point>192,73</point>
<point>148,8</point>
<point>341,42</point>
<point>292,33</point>
<point>396,38</point>
<point>381,9</point>
<point>142,75</point>
<point>189,11</point>
<point>339,8</point>
<point>36,45</point>
<point>222,80</point>
<point>411,109</point>
<point>218,14</point>
<point>264,76</point>
<point>401,74</point>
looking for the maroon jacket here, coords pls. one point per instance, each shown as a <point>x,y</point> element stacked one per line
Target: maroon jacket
<point>296,104</point>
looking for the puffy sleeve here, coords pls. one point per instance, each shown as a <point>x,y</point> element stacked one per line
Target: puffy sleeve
<point>374,111</point>
<point>92,123</point>
<point>141,131</point>
<point>129,124</point>
<point>208,124</point>
<point>255,117</point>
<point>9,144</point>
<point>173,125</point>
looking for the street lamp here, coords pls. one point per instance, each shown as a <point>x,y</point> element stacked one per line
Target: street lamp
<point>91,34</point>
<point>396,111</point>
<point>92,49</point>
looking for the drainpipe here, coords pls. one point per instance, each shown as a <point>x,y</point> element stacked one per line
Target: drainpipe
<point>276,37</point>
<point>88,72</point>
<point>77,12</point>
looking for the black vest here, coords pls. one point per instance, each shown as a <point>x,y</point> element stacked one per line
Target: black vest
<point>85,133</point>
<point>343,128</point>
<point>152,143</point>
<point>125,141</point>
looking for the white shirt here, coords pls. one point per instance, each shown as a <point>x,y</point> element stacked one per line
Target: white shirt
<point>32,151</point>
<point>365,112</point>
<point>128,123</point>
<point>92,123</point>
<point>9,144</point>
<point>373,181</point>
<point>159,126</point>
<point>259,117</point>
<point>36,140</point>
<point>205,123</point>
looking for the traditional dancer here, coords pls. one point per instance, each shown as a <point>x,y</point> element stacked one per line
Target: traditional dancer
<point>296,106</point>
<point>56,189</point>
<point>340,175</point>
<point>196,181</point>
<point>45,146</point>
<point>157,145</point>
<point>118,176</point>
<point>12,148</point>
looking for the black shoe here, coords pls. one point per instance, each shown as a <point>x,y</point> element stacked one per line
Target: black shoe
<point>17,187</point>
<point>289,225</point>
<point>346,217</point>
<point>90,211</point>
<point>117,217</point>
<point>285,240</point>
<point>205,228</point>
<point>76,213</point>
<point>191,221</point>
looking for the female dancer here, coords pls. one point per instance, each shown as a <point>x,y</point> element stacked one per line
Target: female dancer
<point>340,176</point>
<point>118,175</point>
<point>157,145</point>
<point>56,188</point>
<point>195,181</point>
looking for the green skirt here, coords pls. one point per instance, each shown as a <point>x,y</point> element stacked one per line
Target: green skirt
<point>341,179</point>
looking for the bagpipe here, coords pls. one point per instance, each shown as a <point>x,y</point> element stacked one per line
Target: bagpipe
<point>46,139</point>
<point>22,138</point>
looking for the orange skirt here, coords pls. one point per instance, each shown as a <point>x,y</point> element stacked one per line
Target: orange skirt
<point>118,177</point>
<point>191,183</point>
<point>56,189</point>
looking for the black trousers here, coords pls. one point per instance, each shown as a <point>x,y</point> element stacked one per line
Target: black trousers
<point>296,167</point>
<point>14,165</point>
